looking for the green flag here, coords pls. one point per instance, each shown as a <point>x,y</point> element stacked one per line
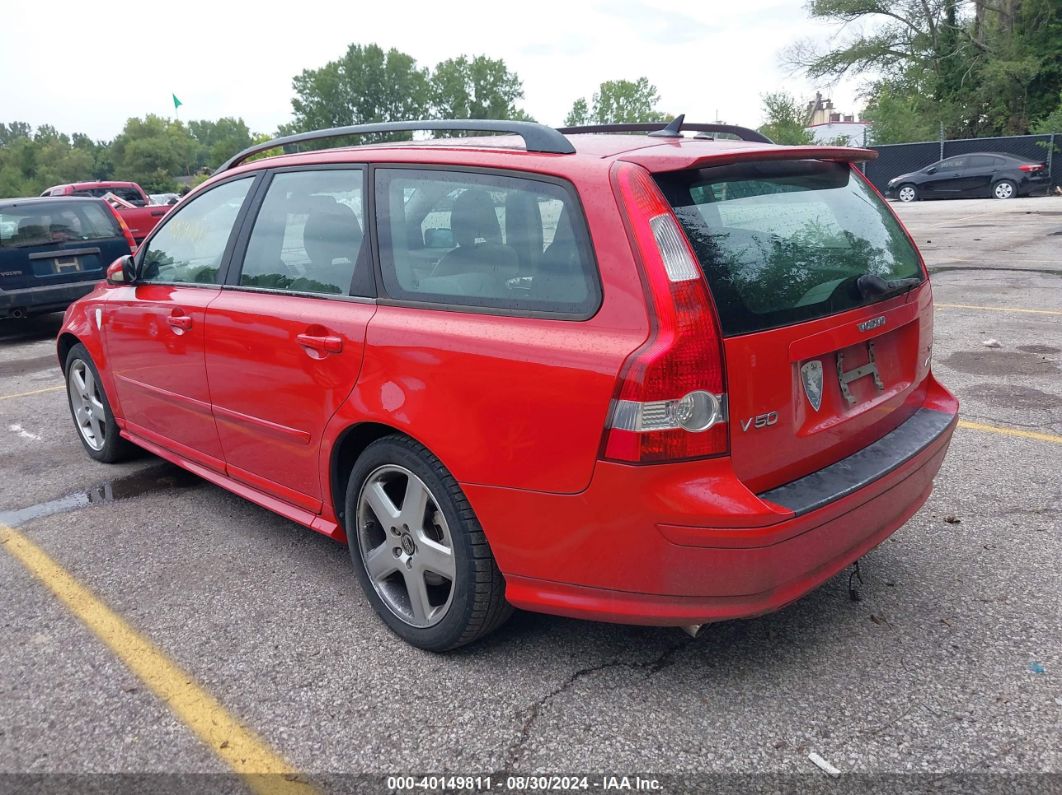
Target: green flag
<point>176,102</point>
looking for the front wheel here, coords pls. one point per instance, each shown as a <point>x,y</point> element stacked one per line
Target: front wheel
<point>1004,189</point>
<point>418,551</point>
<point>91,410</point>
<point>907,193</point>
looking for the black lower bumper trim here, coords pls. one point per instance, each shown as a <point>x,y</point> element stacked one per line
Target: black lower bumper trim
<point>863,468</point>
<point>48,297</point>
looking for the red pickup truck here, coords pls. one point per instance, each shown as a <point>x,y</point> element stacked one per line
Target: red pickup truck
<point>134,208</point>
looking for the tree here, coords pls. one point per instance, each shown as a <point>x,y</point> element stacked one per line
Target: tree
<point>480,88</point>
<point>980,67</point>
<point>218,140</point>
<point>152,151</point>
<point>785,120</point>
<point>618,102</point>
<point>366,85</point>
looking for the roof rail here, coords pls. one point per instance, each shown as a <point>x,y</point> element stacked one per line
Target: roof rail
<point>537,137</point>
<point>672,129</point>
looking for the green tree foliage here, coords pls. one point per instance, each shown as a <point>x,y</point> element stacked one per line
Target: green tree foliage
<point>369,85</point>
<point>618,102</point>
<point>785,122</point>
<point>151,151</point>
<point>979,67</point>
<point>477,88</point>
<point>217,141</point>
<point>366,85</point>
<point>31,161</point>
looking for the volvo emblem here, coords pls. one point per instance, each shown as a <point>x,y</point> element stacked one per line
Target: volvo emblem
<point>811,378</point>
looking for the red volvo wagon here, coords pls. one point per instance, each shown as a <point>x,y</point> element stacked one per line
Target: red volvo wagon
<point>625,374</point>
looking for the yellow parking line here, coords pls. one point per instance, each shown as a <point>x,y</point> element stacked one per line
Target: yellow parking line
<point>34,392</point>
<point>1042,437</point>
<point>262,769</point>
<point>1000,309</point>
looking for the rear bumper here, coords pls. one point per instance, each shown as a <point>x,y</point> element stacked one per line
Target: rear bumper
<point>50,298</point>
<point>630,548</point>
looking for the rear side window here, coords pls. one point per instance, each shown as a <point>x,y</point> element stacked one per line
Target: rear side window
<point>308,236</point>
<point>785,242</point>
<point>191,243</point>
<point>56,222</point>
<point>484,240</point>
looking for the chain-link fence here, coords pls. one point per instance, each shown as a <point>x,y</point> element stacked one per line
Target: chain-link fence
<point>896,159</point>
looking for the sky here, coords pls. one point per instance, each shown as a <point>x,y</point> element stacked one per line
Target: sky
<point>93,65</point>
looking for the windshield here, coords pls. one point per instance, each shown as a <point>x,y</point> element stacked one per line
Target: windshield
<point>785,242</point>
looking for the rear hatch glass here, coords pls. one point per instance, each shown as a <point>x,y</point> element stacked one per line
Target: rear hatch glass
<point>820,295</point>
<point>57,240</point>
<point>783,242</point>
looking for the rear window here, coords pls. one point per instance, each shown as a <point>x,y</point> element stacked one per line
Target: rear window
<point>785,242</point>
<point>130,195</point>
<point>56,222</point>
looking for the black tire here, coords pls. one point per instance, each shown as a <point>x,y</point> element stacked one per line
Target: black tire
<point>113,448</point>
<point>908,190</point>
<point>1004,189</point>
<point>476,603</point>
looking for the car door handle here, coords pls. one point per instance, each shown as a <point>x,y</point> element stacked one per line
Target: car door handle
<point>179,321</point>
<point>321,343</point>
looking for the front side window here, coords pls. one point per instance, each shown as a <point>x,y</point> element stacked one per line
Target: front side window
<point>484,240</point>
<point>785,242</point>
<point>308,235</point>
<point>190,245</point>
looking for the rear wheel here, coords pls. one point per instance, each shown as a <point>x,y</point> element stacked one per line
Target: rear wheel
<point>91,410</point>
<point>418,550</point>
<point>907,193</point>
<point>1004,189</point>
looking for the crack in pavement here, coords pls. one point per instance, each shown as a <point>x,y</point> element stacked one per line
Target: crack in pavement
<point>654,666</point>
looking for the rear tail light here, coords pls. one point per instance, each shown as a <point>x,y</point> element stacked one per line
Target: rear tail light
<point>1028,167</point>
<point>670,402</point>
<point>125,229</point>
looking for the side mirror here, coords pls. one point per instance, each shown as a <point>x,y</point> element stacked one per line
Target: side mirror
<point>931,170</point>
<point>121,271</point>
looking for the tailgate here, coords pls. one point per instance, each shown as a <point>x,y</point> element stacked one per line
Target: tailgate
<point>824,306</point>
<point>802,397</point>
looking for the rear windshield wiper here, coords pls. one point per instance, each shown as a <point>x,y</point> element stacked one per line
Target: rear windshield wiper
<point>874,287</point>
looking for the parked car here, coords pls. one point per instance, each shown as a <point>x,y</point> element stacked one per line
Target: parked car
<point>134,207</point>
<point>979,174</point>
<point>642,378</point>
<point>53,251</point>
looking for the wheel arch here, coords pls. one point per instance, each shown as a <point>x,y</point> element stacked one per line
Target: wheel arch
<point>63,344</point>
<point>349,445</point>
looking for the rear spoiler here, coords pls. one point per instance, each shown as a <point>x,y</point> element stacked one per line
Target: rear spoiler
<point>679,160</point>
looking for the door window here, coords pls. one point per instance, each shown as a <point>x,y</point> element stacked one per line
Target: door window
<point>952,164</point>
<point>191,244</point>
<point>308,236</point>
<point>484,240</point>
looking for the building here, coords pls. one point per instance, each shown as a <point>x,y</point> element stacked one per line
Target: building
<point>830,126</point>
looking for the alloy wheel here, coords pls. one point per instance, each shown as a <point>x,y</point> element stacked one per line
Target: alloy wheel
<point>406,546</point>
<point>85,399</point>
<point>1004,190</point>
<point>907,193</point>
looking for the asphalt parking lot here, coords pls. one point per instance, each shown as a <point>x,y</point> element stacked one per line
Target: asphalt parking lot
<point>949,670</point>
